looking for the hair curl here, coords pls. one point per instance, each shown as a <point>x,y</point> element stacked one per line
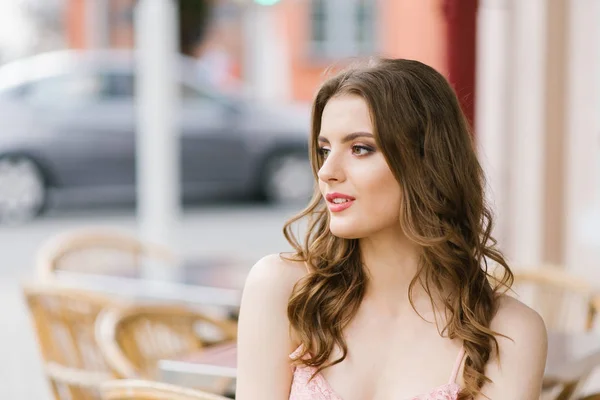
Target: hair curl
<point>426,140</point>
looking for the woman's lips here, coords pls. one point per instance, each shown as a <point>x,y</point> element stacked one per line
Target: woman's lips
<point>338,207</point>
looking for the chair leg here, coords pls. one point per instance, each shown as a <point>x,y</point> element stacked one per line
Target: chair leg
<point>568,391</point>
<point>571,391</point>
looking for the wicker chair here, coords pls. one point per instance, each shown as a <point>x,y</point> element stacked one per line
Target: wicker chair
<point>564,301</point>
<point>595,396</point>
<point>147,390</point>
<point>566,304</point>
<point>134,339</point>
<point>98,251</point>
<point>64,321</point>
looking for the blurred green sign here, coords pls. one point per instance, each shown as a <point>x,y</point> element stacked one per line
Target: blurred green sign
<point>267,2</point>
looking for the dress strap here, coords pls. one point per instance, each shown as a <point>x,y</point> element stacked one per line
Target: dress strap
<point>457,364</point>
<point>296,352</point>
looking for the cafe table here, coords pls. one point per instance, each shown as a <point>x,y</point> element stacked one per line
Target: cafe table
<point>200,281</point>
<point>200,367</point>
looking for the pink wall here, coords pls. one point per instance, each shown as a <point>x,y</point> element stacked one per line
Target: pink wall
<point>75,24</point>
<point>414,29</point>
<point>407,29</point>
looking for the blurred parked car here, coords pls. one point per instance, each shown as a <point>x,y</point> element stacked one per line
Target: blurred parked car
<point>67,129</point>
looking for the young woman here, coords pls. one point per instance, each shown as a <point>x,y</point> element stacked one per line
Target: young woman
<point>389,296</point>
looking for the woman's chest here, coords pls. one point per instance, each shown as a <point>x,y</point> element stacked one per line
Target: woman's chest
<point>380,365</point>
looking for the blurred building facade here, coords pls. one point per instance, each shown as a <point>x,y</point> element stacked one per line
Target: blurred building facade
<point>537,124</point>
<point>302,36</point>
<point>320,33</point>
<point>110,24</point>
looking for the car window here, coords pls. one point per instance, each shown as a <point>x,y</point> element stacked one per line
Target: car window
<point>188,92</point>
<point>14,92</point>
<point>65,90</point>
<point>122,85</point>
<point>119,85</point>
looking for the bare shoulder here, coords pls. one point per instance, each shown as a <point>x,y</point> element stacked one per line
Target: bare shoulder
<point>275,275</point>
<point>519,322</point>
<point>270,283</point>
<point>264,339</point>
<point>517,370</point>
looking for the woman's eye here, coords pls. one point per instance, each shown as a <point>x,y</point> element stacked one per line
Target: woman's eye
<point>323,152</point>
<point>361,150</point>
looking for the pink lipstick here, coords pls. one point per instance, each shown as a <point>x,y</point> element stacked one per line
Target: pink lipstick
<point>338,202</point>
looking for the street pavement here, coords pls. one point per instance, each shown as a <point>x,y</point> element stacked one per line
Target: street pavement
<point>244,231</point>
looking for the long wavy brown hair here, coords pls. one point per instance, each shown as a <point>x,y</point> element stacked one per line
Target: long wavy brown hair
<point>426,140</point>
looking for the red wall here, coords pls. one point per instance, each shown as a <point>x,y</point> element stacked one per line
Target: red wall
<point>461,16</point>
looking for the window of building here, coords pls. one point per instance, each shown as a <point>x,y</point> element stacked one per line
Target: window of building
<point>342,28</point>
<point>318,26</point>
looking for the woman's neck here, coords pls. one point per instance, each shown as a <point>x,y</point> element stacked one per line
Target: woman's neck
<point>391,262</point>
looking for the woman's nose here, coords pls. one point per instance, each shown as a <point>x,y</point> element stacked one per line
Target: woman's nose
<point>332,169</point>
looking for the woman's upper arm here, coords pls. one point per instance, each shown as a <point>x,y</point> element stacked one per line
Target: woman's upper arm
<point>264,342</point>
<point>519,371</point>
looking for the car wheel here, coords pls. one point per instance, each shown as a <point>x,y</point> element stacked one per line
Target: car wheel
<point>288,179</point>
<point>22,189</point>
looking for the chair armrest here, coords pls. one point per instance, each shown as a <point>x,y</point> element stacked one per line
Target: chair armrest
<point>76,377</point>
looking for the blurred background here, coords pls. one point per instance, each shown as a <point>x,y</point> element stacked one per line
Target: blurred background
<point>151,150</point>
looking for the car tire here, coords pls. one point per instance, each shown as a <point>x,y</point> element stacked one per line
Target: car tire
<point>287,179</point>
<point>23,189</point>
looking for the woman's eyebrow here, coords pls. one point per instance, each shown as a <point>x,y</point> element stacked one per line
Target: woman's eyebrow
<point>349,137</point>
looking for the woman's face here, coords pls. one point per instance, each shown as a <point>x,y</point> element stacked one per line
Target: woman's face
<point>361,193</point>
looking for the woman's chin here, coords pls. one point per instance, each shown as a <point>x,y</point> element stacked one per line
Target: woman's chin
<point>345,231</point>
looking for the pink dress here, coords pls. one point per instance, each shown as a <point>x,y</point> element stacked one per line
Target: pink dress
<point>318,388</point>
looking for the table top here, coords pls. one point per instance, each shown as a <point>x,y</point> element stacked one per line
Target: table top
<point>218,360</point>
<point>216,282</point>
<point>569,357</point>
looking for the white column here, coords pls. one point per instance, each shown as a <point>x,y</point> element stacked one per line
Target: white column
<point>96,26</point>
<point>158,175</point>
<point>266,58</point>
<point>583,140</point>
<point>492,106</point>
<point>526,156</point>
